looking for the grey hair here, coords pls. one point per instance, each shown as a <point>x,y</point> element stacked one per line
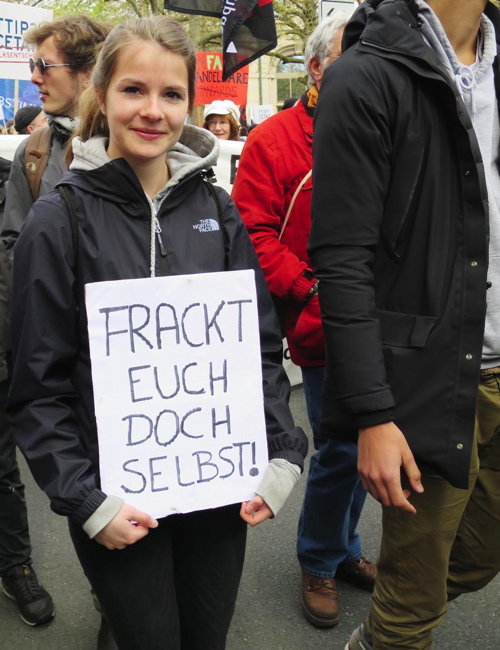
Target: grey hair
<point>319,42</point>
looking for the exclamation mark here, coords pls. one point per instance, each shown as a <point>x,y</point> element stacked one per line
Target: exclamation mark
<point>254,470</point>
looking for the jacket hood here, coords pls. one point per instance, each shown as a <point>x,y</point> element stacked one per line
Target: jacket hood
<point>370,22</point>
<point>197,150</point>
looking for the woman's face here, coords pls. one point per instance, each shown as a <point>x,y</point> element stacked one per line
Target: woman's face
<point>220,126</point>
<point>146,103</point>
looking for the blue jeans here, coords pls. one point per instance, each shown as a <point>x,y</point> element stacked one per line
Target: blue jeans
<point>334,496</point>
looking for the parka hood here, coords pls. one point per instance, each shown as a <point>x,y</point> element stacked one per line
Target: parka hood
<point>370,20</point>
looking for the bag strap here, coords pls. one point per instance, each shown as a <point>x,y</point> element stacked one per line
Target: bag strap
<point>67,195</point>
<point>292,202</point>
<point>36,157</point>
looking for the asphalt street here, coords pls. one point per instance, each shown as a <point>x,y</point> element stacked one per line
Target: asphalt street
<point>268,615</point>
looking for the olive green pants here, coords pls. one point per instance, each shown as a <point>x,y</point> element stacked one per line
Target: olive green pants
<point>450,547</point>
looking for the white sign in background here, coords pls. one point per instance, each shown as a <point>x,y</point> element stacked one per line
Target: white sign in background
<point>15,20</point>
<point>176,368</point>
<point>327,7</point>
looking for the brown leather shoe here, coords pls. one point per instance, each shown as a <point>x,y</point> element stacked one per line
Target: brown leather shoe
<point>320,600</point>
<point>361,573</point>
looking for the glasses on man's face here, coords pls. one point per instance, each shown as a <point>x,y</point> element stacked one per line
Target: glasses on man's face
<point>42,66</point>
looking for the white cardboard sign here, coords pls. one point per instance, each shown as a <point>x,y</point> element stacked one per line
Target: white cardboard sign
<point>15,20</point>
<point>176,369</point>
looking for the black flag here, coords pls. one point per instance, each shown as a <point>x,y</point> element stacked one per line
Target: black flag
<point>248,27</point>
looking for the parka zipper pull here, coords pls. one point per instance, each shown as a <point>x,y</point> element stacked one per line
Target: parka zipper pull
<point>163,252</point>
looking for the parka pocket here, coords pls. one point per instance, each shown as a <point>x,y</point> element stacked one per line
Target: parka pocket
<point>404,330</point>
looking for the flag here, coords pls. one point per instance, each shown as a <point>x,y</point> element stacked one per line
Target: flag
<point>248,27</point>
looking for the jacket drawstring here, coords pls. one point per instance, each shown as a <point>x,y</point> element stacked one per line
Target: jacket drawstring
<point>466,82</point>
<point>154,225</point>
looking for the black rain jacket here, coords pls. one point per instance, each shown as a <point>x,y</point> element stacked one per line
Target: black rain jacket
<point>399,240</point>
<point>51,404</point>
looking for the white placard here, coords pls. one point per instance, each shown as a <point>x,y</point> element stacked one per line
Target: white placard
<point>9,145</point>
<point>15,20</point>
<point>177,376</point>
<point>259,113</point>
<point>327,7</point>
<point>227,163</point>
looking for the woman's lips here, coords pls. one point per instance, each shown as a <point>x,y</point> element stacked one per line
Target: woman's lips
<point>149,134</point>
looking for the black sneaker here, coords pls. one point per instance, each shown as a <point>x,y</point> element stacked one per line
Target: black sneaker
<point>22,585</point>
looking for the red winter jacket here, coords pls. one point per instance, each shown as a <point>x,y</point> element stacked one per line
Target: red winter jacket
<point>276,157</point>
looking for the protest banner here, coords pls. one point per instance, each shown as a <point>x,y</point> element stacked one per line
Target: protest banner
<point>16,90</point>
<point>177,377</point>
<point>248,27</point>
<point>209,83</point>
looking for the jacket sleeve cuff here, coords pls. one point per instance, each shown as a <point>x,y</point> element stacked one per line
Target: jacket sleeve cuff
<point>291,455</point>
<point>279,480</point>
<point>108,509</point>
<point>88,507</point>
<point>364,420</point>
<point>301,288</point>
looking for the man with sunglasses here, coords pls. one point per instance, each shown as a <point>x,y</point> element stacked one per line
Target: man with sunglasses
<point>65,53</point>
<point>61,67</point>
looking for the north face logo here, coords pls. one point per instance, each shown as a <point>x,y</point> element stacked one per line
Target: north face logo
<point>207,225</point>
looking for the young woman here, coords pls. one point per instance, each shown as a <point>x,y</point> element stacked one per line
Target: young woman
<point>137,180</point>
<point>221,118</point>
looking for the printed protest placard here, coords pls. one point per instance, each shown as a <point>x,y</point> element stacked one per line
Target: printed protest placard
<point>16,90</point>
<point>15,20</point>
<point>177,377</point>
<point>209,84</point>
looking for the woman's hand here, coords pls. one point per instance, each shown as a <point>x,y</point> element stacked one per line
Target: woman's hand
<point>127,527</point>
<point>255,511</point>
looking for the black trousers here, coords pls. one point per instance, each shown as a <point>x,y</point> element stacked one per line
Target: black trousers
<point>15,545</point>
<point>176,588</point>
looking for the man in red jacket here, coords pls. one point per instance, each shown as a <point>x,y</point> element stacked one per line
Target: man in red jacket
<point>273,194</point>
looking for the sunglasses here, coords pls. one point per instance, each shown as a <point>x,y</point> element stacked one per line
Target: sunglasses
<point>42,66</point>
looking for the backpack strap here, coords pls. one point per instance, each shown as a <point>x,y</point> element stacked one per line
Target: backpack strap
<point>67,195</point>
<point>36,158</point>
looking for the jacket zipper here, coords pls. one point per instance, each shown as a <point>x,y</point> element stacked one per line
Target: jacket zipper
<point>382,48</point>
<point>154,224</point>
<point>158,232</point>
